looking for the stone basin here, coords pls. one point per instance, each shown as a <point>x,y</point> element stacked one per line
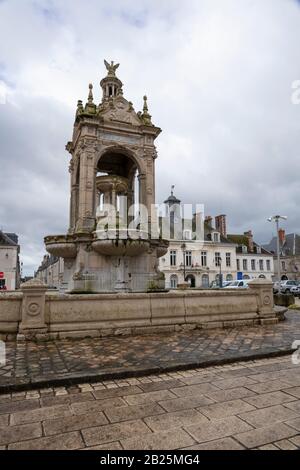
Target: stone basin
<point>116,247</point>
<point>60,246</point>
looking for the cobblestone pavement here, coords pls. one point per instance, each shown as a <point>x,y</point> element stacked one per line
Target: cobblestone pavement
<point>253,404</point>
<point>36,363</point>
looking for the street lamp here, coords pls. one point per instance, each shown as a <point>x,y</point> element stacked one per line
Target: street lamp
<point>183,247</point>
<point>276,218</point>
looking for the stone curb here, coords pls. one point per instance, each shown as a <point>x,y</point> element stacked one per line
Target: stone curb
<point>116,374</point>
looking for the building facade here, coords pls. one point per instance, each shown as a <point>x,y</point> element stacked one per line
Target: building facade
<point>253,261</point>
<point>51,271</point>
<point>9,261</point>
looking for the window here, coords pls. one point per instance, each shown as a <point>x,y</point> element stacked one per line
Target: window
<point>261,264</point>
<point>205,280</point>
<point>253,265</point>
<point>173,281</point>
<point>245,265</point>
<point>258,250</point>
<point>216,237</point>
<point>244,249</point>
<point>187,235</point>
<point>228,260</point>
<point>238,266</point>
<point>218,259</point>
<point>173,258</point>
<point>203,258</point>
<point>268,265</point>
<point>229,277</point>
<point>188,258</point>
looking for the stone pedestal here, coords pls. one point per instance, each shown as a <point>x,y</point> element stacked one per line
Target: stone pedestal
<point>33,309</point>
<point>265,302</point>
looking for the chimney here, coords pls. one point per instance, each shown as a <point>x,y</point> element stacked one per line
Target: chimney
<point>220,221</point>
<point>249,235</point>
<point>281,234</point>
<point>208,221</point>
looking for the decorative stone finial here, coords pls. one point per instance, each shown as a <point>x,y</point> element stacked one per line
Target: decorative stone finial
<point>172,189</point>
<point>79,107</point>
<point>90,96</point>
<point>111,68</point>
<point>145,116</point>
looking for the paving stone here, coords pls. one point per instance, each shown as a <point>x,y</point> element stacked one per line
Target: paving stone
<point>73,423</point>
<point>265,387</point>
<point>294,423</point>
<point>110,446</point>
<point>296,440</point>
<point>40,414</point>
<point>97,405</point>
<point>294,391</point>
<point>68,441</point>
<point>185,403</point>
<point>265,435</point>
<point>218,428</point>
<point>163,385</point>
<point>162,440</point>
<point>117,392</point>
<point>227,408</point>
<point>268,447</point>
<point>227,443</point>
<point>147,397</point>
<point>198,379</point>
<point>10,434</point>
<point>199,389</point>
<point>233,383</point>
<point>285,445</point>
<point>175,420</point>
<point>66,399</point>
<point>272,414</point>
<point>125,413</point>
<point>4,420</point>
<point>269,399</point>
<point>230,394</point>
<point>13,406</point>
<point>114,432</point>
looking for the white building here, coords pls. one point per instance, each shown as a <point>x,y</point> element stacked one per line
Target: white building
<point>9,261</point>
<point>199,262</point>
<point>253,261</point>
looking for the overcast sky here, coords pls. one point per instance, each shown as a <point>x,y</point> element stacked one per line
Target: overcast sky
<point>218,75</point>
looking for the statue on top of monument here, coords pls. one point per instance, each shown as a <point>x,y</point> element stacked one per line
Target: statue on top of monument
<point>111,68</point>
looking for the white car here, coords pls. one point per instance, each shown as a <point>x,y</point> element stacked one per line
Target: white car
<point>237,284</point>
<point>295,290</point>
<point>286,286</point>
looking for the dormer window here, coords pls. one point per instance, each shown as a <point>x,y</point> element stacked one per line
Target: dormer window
<point>244,249</point>
<point>187,235</point>
<point>216,237</point>
<point>258,249</point>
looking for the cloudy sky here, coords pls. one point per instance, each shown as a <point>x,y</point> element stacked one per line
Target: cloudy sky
<point>218,75</point>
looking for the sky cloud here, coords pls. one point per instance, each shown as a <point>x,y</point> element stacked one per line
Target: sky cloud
<point>218,75</point>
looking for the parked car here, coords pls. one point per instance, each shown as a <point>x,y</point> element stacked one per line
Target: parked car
<point>237,284</point>
<point>295,290</point>
<point>285,286</point>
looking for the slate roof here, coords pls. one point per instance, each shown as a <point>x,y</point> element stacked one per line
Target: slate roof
<point>244,240</point>
<point>8,239</point>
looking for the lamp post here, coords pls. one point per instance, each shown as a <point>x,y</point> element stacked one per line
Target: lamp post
<point>183,247</point>
<point>276,218</point>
